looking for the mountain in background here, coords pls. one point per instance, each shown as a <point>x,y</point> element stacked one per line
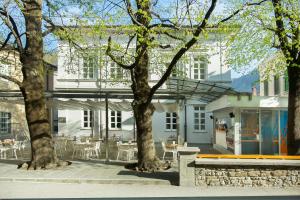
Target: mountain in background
<point>246,82</point>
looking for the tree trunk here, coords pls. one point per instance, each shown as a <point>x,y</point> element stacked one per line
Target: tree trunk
<point>147,160</point>
<point>42,146</point>
<point>293,135</point>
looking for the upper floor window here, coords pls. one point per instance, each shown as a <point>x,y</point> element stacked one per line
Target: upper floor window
<point>266,88</point>
<point>276,85</point>
<point>199,118</point>
<point>179,69</point>
<point>199,69</point>
<point>5,69</point>
<point>90,67</point>
<point>88,118</point>
<point>5,123</point>
<point>116,72</point>
<point>116,119</point>
<point>171,121</point>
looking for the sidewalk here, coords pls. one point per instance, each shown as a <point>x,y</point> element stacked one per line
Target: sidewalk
<point>91,179</point>
<point>95,172</point>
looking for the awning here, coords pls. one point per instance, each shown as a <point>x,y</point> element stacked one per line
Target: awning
<point>202,90</point>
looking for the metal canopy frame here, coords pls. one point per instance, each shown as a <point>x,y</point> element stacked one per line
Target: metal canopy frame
<point>177,89</point>
<point>206,91</point>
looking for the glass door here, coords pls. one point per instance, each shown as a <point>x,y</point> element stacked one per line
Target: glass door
<point>250,131</point>
<point>269,132</point>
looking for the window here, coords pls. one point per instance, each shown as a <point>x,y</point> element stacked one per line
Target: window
<point>88,118</point>
<point>286,83</point>
<point>89,67</point>
<point>5,123</point>
<point>171,122</point>
<point>199,118</point>
<point>116,71</point>
<point>276,85</point>
<point>266,88</point>
<point>116,119</point>
<point>179,70</point>
<point>199,69</point>
<point>5,70</point>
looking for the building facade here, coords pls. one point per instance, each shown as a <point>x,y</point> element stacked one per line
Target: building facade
<point>186,119</point>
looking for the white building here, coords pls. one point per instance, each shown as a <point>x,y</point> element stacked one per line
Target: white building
<point>202,68</point>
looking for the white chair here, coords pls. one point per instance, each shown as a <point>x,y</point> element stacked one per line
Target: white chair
<point>3,151</point>
<point>91,151</point>
<point>124,149</point>
<point>18,146</point>
<point>169,150</point>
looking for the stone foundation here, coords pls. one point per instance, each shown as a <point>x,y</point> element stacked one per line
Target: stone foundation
<point>249,176</point>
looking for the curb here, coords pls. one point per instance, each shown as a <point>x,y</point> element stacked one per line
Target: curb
<point>87,181</point>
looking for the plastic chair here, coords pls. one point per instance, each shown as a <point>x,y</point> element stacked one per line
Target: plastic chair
<point>95,150</point>
<point>124,149</point>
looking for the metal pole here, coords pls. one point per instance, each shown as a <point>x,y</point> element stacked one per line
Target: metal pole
<point>106,131</point>
<point>134,134</point>
<point>177,114</point>
<point>185,124</point>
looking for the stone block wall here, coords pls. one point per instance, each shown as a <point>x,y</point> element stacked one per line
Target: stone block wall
<point>247,176</point>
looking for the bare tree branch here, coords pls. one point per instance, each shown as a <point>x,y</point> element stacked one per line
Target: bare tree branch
<point>109,53</point>
<point>238,11</point>
<point>131,14</point>
<point>183,50</point>
<point>6,40</point>
<point>11,24</point>
<point>9,78</point>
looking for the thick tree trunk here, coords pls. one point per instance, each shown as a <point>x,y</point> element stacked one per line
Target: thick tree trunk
<point>42,146</point>
<point>147,160</point>
<point>293,135</point>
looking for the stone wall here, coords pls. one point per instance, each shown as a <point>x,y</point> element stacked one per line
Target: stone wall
<point>249,176</point>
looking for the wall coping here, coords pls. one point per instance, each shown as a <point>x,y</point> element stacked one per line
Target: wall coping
<point>247,162</point>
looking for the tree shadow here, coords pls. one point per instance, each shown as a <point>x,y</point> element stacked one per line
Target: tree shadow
<point>171,176</point>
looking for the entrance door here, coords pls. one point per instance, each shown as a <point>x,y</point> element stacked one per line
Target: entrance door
<point>269,132</point>
<point>250,131</point>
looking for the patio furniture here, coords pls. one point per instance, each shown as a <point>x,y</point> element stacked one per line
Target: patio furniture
<point>94,150</point>
<point>81,149</point>
<point>126,148</point>
<point>171,148</point>
<point>3,150</point>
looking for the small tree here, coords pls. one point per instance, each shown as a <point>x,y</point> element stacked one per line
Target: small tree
<point>271,27</point>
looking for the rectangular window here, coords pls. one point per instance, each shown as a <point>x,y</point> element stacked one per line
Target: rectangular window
<point>89,67</point>
<point>199,69</point>
<point>276,85</point>
<point>116,119</point>
<point>199,118</point>
<point>116,71</point>
<point>88,118</point>
<point>171,122</point>
<point>179,70</point>
<point>266,88</point>
<point>5,123</point>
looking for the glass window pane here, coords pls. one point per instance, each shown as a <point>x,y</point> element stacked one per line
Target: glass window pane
<point>196,127</point>
<point>168,120</point>
<point>118,125</point>
<point>168,115</point>
<point>174,126</point>
<point>202,127</point>
<point>168,126</point>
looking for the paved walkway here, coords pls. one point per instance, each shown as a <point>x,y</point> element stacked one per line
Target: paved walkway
<point>87,172</point>
<point>95,179</point>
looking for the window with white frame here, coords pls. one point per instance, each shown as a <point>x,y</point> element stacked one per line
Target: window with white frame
<point>199,118</point>
<point>88,118</point>
<point>90,67</point>
<point>5,122</point>
<point>5,69</point>
<point>116,71</point>
<point>199,69</point>
<point>116,119</point>
<point>179,69</point>
<point>171,121</point>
